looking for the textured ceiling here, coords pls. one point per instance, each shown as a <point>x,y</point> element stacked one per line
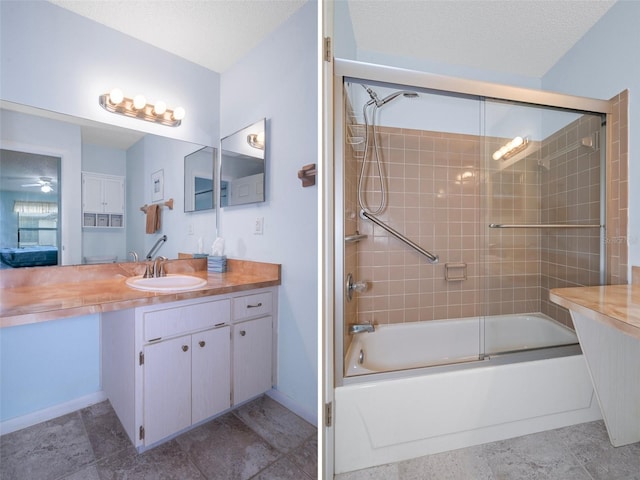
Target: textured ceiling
<point>523,37</point>
<point>211,33</point>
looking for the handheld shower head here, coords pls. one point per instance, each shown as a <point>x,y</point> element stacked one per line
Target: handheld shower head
<point>404,93</point>
<point>378,103</point>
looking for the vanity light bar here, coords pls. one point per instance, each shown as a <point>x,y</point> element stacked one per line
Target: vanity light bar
<point>137,107</point>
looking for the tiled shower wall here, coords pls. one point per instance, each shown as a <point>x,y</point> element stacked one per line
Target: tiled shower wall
<point>617,191</point>
<point>441,198</point>
<point>570,193</point>
<point>432,194</point>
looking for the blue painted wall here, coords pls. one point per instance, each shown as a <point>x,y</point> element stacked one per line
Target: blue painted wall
<point>46,364</point>
<point>279,80</point>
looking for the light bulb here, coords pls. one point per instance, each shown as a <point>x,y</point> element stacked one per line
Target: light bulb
<point>178,113</point>
<point>46,188</point>
<point>139,102</point>
<point>516,142</point>
<point>116,96</point>
<point>160,107</point>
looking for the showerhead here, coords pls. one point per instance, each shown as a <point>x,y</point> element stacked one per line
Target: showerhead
<point>404,93</point>
<point>375,99</point>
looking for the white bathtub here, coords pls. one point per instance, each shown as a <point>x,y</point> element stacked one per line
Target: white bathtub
<point>420,344</point>
<point>393,416</point>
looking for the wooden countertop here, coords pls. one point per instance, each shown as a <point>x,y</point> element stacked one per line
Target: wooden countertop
<point>39,294</point>
<point>615,305</point>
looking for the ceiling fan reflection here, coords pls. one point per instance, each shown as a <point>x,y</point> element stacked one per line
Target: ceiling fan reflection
<point>44,183</point>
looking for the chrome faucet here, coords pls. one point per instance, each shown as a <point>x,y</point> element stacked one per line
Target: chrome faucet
<point>134,255</point>
<point>158,266</point>
<point>361,327</point>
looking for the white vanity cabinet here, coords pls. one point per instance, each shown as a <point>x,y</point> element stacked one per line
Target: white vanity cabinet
<point>170,366</point>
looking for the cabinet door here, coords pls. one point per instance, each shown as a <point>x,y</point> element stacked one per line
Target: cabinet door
<point>92,194</point>
<point>210,373</point>
<point>167,388</point>
<point>113,195</point>
<point>252,358</point>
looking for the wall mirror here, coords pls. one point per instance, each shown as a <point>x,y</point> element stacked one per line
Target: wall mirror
<point>242,167</point>
<point>98,148</point>
<point>199,168</point>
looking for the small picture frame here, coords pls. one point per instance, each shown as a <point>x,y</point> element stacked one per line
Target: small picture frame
<point>157,186</point>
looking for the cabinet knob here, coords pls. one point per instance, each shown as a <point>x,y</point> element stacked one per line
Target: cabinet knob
<point>201,343</point>
<point>185,348</point>
<point>242,333</point>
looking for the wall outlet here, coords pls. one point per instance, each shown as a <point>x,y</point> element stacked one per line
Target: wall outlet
<point>258,228</point>
<point>190,229</point>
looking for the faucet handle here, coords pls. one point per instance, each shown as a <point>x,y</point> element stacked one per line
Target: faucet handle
<point>148,271</point>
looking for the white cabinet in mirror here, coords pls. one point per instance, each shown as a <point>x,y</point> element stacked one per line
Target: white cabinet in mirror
<point>102,200</point>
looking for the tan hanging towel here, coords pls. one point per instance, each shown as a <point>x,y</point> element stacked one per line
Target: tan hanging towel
<point>153,218</point>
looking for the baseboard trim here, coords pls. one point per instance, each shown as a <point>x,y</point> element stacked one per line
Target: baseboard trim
<point>311,417</point>
<point>24,421</point>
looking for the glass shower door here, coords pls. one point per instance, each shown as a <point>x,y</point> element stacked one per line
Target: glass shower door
<point>542,220</point>
<point>426,154</point>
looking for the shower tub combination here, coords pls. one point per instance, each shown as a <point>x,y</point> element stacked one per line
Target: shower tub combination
<point>412,388</point>
<point>424,405</point>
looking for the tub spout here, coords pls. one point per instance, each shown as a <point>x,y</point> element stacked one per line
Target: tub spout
<point>361,327</point>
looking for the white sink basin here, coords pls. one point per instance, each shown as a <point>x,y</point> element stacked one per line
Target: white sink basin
<point>172,282</point>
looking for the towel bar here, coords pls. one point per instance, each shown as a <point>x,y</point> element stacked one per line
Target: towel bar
<point>168,203</point>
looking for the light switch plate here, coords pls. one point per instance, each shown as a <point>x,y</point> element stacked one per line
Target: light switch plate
<point>258,228</point>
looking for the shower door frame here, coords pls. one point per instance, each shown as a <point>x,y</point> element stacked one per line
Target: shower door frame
<point>439,83</point>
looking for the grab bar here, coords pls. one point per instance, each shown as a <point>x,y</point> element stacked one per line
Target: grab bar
<point>432,258</point>
<point>542,225</point>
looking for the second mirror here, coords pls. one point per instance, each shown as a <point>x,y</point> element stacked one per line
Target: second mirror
<point>242,166</point>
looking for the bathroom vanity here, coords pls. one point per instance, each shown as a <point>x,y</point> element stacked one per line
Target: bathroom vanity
<point>169,359</point>
<point>169,367</point>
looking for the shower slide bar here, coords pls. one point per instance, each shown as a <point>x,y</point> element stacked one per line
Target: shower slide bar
<point>549,225</point>
<point>432,258</point>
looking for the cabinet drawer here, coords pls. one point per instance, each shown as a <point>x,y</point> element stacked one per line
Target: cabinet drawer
<point>252,305</point>
<point>179,320</point>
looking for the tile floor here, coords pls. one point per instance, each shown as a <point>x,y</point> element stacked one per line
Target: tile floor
<point>579,452</point>
<point>259,440</point>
